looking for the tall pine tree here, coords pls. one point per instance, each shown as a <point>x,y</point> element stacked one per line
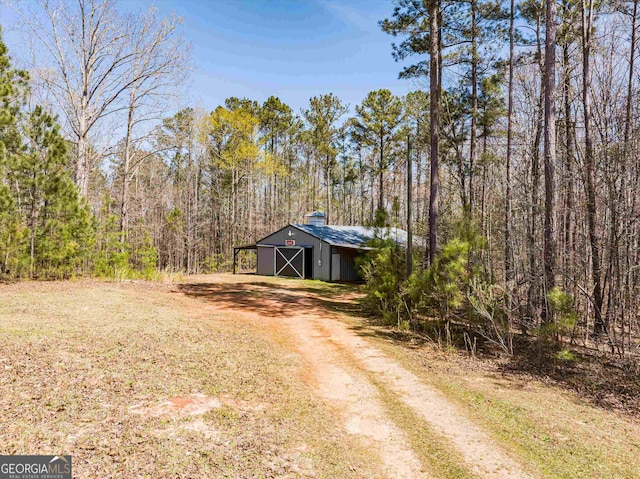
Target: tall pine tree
<point>44,227</point>
<point>13,87</point>
<point>61,231</point>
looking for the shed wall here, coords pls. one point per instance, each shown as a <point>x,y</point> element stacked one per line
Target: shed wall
<point>321,250</point>
<point>265,261</point>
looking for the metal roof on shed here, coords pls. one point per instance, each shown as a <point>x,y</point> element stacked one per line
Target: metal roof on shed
<point>351,236</point>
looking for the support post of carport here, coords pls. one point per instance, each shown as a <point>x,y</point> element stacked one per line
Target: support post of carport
<point>236,250</point>
<point>235,256</point>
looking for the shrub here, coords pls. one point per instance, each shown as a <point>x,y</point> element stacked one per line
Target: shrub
<point>490,313</point>
<point>216,263</point>
<point>440,290</point>
<point>566,317</point>
<point>112,258</point>
<point>14,262</point>
<point>383,271</point>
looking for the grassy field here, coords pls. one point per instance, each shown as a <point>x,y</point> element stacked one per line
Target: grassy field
<point>149,380</point>
<point>89,369</point>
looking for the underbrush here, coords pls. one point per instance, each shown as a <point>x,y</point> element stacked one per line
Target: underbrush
<point>166,275</point>
<point>607,381</point>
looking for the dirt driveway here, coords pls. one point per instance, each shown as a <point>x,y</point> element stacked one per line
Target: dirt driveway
<point>365,387</point>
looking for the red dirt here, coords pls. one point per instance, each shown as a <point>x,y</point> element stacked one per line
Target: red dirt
<point>338,362</point>
<point>180,402</point>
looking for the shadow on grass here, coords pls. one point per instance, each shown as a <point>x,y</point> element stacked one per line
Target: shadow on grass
<point>272,300</point>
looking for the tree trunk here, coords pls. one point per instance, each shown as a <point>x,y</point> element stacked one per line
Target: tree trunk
<point>409,211</point>
<point>124,200</point>
<point>434,95</point>
<point>508,264</point>
<point>474,107</point>
<point>362,185</point>
<point>549,158</point>
<point>82,166</point>
<point>569,153</point>
<point>532,240</point>
<point>328,198</point>
<point>532,235</point>
<point>381,176</point>
<point>632,51</point>
<point>587,20</point>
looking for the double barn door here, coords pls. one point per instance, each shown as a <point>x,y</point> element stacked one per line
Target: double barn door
<point>289,261</point>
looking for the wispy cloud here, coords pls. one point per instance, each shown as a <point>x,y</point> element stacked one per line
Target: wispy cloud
<point>358,18</point>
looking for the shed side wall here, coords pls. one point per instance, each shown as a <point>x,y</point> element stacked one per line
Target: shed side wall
<point>348,264</point>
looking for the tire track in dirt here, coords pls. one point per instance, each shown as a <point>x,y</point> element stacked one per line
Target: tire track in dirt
<point>480,452</point>
<point>322,340</point>
<point>353,397</point>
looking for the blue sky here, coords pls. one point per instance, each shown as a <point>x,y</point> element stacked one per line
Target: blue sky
<point>294,49</point>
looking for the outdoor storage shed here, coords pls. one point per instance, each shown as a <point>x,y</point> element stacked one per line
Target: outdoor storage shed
<point>317,251</point>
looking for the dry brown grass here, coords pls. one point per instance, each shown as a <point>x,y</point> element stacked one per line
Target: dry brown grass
<point>88,368</point>
<point>155,380</point>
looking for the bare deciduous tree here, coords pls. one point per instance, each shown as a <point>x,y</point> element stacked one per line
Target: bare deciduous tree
<point>93,62</point>
<point>158,66</point>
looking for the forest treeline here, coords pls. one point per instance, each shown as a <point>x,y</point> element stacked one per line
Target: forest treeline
<point>524,157</point>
